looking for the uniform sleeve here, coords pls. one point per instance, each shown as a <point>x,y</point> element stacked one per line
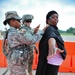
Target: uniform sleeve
<point>34,37</point>
<point>15,39</point>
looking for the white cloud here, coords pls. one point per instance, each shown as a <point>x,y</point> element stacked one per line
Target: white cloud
<point>39,9</point>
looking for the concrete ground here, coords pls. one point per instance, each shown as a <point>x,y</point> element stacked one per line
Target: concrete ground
<point>69,38</point>
<point>65,38</point>
<point>2,70</point>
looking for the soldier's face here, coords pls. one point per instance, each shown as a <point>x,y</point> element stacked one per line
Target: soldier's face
<point>27,23</point>
<point>15,23</point>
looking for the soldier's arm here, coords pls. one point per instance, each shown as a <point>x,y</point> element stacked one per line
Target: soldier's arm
<point>34,37</point>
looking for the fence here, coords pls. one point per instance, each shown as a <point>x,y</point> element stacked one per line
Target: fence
<point>68,64</point>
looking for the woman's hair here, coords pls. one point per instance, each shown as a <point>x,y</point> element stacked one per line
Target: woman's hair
<point>8,21</point>
<point>50,13</point>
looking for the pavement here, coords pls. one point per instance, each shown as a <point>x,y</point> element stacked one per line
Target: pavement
<point>69,38</point>
<point>65,38</point>
<point>2,70</point>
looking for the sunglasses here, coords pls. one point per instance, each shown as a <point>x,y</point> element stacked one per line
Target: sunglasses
<point>28,21</point>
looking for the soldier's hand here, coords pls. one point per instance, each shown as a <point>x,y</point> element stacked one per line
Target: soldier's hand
<point>36,29</point>
<point>45,27</point>
<point>5,43</point>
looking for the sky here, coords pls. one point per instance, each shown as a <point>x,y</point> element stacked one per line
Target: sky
<point>39,9</point>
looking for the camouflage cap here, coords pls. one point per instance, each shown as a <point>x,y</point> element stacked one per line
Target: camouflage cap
<point>11,15</point>
<point>27,17</point>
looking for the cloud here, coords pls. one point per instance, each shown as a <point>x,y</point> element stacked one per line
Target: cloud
<point>39,8</point>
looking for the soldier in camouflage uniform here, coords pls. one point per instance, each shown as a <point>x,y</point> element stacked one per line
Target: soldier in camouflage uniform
<point>26,20</point>
<point>15,44</point>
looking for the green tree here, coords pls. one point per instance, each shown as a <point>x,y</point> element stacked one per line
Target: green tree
<point>70,30</point>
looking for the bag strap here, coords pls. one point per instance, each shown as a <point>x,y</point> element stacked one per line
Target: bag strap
<point>4,43</point>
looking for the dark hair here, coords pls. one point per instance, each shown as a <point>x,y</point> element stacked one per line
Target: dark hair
<point>50,13</point>
<point>8,21</point>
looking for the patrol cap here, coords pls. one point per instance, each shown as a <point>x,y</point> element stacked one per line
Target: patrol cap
<point>11,15</point>
<point>27,17</point>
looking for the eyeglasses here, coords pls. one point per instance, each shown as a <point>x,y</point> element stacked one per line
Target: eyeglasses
<point>53,17</point>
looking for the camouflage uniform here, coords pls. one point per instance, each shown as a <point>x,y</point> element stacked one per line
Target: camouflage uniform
<point>17,55</point>
<point>30,48</point>
<point>29,30</point>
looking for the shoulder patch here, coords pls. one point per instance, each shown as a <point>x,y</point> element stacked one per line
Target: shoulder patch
<point>22,30</point>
